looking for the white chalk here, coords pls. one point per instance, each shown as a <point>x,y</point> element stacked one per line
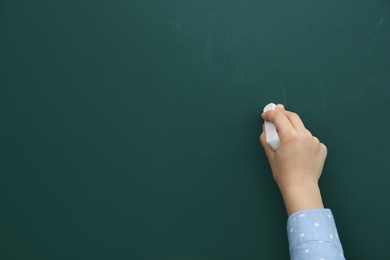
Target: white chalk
<point>271,135</point>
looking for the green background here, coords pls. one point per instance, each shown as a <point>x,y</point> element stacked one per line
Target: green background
<point>129,129</point>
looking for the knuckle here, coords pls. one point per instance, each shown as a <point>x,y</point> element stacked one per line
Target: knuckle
<point>293,136</point>
<point>324,148</point>
<point>307,133</point>
<point>295,115</point>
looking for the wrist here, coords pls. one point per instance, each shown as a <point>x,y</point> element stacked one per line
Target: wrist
<point>301,196</point>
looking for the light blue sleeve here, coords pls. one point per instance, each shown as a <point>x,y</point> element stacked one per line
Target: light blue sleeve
<point>312,234</point>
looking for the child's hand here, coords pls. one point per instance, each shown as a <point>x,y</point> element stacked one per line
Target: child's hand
<point>297,163</point>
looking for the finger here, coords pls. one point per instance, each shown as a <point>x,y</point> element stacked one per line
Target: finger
<point>263,138</point>
<point>280,106</point>
<point>324,148</point>
<point>295,120</point>
<point>281,122</point>
<point>268,151</point>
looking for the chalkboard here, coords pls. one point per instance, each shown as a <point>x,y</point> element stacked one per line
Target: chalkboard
<point>129,129</point>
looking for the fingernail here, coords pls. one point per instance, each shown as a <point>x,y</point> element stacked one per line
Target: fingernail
<point>280,106</point>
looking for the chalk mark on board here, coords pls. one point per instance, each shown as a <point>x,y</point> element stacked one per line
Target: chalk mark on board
<point>321,67</point>
<point>207,50</point>
<point>375,36</point>
<point>178,27</point>
<point>358,145</point>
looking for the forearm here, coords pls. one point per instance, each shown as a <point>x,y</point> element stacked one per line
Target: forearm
<point>301,197</point>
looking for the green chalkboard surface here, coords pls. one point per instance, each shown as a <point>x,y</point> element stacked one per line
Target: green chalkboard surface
<point>129,129</point>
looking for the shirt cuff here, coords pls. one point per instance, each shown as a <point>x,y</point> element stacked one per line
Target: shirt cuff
<point>312,225</point>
